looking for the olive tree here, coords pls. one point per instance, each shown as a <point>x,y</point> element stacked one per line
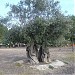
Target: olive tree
<point>43,24</point>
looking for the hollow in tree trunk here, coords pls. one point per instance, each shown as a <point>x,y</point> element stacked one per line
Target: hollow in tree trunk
<point>41,54</point>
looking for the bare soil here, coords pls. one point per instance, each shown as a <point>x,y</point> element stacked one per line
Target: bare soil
<point>10,66</point>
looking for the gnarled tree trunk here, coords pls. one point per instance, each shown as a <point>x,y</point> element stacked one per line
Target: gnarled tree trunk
<point>32,53</point>
<point>41,55</point>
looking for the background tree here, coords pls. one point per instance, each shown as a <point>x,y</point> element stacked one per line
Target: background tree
<point>3,31</point>
<point>14,36</point>
<point>72,32</point>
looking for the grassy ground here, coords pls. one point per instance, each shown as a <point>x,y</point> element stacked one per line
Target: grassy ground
<point>10,66</point>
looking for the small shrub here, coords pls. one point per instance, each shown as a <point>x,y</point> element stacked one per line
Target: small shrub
<point>65,62</point>
<point>51,67</point>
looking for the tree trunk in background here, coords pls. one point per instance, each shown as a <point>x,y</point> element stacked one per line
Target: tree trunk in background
<point>72,45</point>
<point>28,51</point>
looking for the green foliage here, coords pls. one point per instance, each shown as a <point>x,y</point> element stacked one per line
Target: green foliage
<point>41,21</point>
<point>72,36</point>
<point>29,9</point>
<point>35,30</point>
<point>14,35</point>
<point>47,32</point>
<point>3,31</point>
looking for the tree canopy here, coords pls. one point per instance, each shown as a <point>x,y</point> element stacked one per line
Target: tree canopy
<point>41,18</point>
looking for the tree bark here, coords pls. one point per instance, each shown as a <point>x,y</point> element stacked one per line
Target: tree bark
<point>35,49</point>
<point>48,56</point>
<point>44,55</point>
<point>28,51</point>
<point>32,52</point>
<point>41,54</point>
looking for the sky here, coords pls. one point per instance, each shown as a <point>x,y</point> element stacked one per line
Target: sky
<point>66,5</point>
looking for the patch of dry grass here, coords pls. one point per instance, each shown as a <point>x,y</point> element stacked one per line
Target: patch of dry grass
<point>18,64</point>
<point>70,57</point>
<point>1,73</point>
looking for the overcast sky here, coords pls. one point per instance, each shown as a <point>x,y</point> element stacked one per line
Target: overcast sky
<point>66,5</point>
